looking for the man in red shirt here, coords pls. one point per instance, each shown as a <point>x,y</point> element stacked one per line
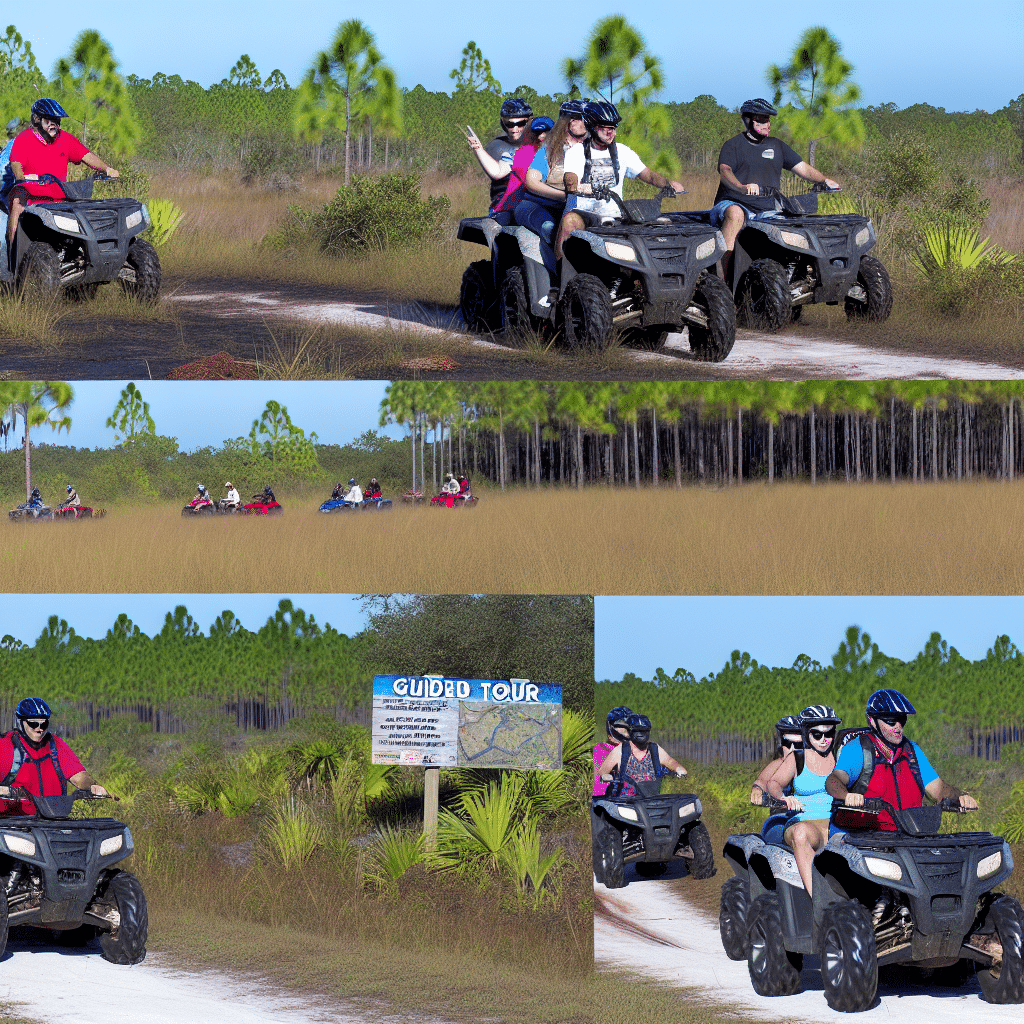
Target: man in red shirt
<point>44,149</point>
<point>32,757</point>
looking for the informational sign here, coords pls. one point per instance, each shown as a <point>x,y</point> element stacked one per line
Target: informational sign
<point>486,723</point>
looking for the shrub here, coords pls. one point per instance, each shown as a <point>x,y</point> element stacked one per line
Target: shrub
<point>371,213</point>
<point>165,217</point>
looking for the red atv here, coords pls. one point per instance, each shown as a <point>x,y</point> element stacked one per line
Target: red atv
<point>263,504</point>
<point>74,512</point>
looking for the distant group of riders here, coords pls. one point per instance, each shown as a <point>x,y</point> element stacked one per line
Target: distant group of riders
<point>818,780</point>
<point>544,173</point>
<point>260,502</point>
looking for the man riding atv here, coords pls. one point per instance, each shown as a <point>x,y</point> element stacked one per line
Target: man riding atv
<point>43,149</point>
<point>750,165</point>
<point>33,758</point>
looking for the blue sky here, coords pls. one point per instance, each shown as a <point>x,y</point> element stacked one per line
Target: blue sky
<point>952,55</point>
<point>24,616</point>
<point>208,412</point>
<point>642,634</point>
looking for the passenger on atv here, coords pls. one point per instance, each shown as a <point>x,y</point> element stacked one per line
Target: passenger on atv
<point>201,500</point>
<point>231,500</point>
<point>600,162</point>
<point>43,149</point>
<point>72,500</point>
<point>805,829</point>
<point>638,759</point>
<point>750,166</point>
<point>354,494</point>
<point>33,758</point>
<point>497,156</point>
<point>35,500</point>
<point>263,502</point>
<point>372,490</point>
<point>884,763</point>
<point>790,738</point>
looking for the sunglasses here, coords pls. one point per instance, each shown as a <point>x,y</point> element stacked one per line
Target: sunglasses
<point>820,734</point>
<point>792,745</point>
<point>761,120</point>
<point>514,124</point>
<point>37,725</point>
<point>892,719</point>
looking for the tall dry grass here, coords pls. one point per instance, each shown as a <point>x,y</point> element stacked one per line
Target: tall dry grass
<point>787,539</point>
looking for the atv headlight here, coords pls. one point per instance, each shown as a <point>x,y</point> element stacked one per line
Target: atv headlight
<point>629,813</point>
<point>861,238</point>
<point>111,845</point>
<point>796,239</point>
<point>884,868</point>
<point>133,218</point>
<point>706,249</point>
<point>620,251</point>
<point>19,844</point>
<point>687,809</point>
<point>66,223</point>
<point>990,865</point>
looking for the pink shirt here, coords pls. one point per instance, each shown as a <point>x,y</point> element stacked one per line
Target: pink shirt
<point>516,179</point>
<point>37,157</point>
<point>601,751</point>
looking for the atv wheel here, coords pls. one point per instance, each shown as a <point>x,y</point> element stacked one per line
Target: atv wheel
<point>701,862</point>
<point>516,321</point>
<point>762,301</point>
<point>141,270</point>
<point>608,858</point>
<point>774,971</point>
<point>873,281</point>
<point>849,964</point>
<point>3,922</point>
<point>477,298</point>
<point>587,314</point>
<point>1004,982</point>
<point>125,943</point>
<point>39,275</point>
<point>713,331</point>
<point>650,869</point>
<point>732,918</point>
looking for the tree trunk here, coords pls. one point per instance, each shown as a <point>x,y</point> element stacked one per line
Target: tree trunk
<point>348,134</point>
<point>814,450</point>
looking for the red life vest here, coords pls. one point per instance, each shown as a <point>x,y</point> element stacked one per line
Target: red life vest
<point>39,773</point>
<point>898,781</point>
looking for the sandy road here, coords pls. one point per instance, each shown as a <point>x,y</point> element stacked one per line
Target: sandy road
<point>74,986</point>
<point>648,928</point>
<point>755,356</point>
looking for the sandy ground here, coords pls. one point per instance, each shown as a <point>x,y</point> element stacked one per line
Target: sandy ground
<point>760,356</point>
<point>72,986</point>
<point>648,928</point>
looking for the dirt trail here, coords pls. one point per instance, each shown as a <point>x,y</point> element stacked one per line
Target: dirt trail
<point>72,986</point>
<point>648,928</point>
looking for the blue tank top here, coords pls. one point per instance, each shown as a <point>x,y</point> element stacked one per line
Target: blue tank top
<point>809,788</point>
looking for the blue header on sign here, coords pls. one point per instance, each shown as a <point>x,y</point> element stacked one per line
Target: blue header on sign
<point>516,691</point>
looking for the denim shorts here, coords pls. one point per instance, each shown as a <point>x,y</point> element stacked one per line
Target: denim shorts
<point>717,212</point>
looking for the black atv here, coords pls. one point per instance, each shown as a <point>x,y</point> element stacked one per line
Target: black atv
<point>79,244</point>
<point>59,874</point>
<point>911,897</point>
<point>641,278</point>
<point>785,263</point>
<point>648,829</point>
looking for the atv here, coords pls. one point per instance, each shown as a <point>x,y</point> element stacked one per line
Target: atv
<point>199,507</point>
<point>75,512</point>
<point>642,278</point>
<point>26,512</point>
<point>647,829</point>
<point>454,500</point>
<point>59,874</point>
<point>79,244</point>
<point>260,507</point>
<point>801,257</point>
<point>911,896</point>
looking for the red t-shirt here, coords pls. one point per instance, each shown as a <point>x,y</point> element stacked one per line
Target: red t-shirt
<point>37,157</point>
<point>36,767</point>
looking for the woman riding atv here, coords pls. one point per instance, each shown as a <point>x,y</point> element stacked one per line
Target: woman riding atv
<point>633,761</point>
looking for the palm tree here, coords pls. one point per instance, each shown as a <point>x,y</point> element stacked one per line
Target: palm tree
<point>38,402</point>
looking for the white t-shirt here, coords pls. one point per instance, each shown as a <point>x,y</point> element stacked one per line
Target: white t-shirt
<point>601,173</point>
<point>355,494</point>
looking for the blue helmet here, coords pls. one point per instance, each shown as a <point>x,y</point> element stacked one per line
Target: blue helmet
<point>889,702</point>
<point>572,108</point>
<point>50,109</point>
<point>542,124</point>
<point>616,723</point>
<point>30,707</point>
<point>515,107</point>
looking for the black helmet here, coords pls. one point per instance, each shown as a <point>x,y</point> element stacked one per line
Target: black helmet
<point>787,724</point>
<point>266,488</point>
<point>70,488</point>
<point>35,492</point>
<point>49,109</point>
<point>616,723</point>
<point>200,488</point>
<point>515,107</point>
<point>639,730</point>
<point>597,112</point>
<point>819,715</point>
<point>572,108</point>
<point>759,107</point>
<point>12,127</point>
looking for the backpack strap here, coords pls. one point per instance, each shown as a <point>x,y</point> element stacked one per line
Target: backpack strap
<point>20,756</point>
<point>587,161</point>
<point>655,760</point>
<point>17,760</point>
<point>911,755</point>
<point>867,765</point>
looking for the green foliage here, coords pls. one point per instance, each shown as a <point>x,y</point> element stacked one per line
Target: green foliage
<point>820,94</point>
<point>245,73</point>
<point>531,871</point>
<point>291,836</point>
<point>165,216</point>
<point>131,419</point>
<point>373,213</point>
<point>393,853</point>
<point>478,838</point>
<point>474,72</point>
<point>16,52</point>
<point>275,438</point>
<point>906,168</point>
<point>956,247</point>
<point>94,93</point>
<point>1011,827</point>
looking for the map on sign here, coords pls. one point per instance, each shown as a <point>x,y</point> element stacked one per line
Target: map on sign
<point>510,735</point>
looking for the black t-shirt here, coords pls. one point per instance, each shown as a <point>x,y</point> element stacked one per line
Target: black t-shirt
<point>502,149</point>
<point>755,162</point>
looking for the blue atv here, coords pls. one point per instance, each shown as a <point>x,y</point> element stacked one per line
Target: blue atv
<point>340,505</point>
